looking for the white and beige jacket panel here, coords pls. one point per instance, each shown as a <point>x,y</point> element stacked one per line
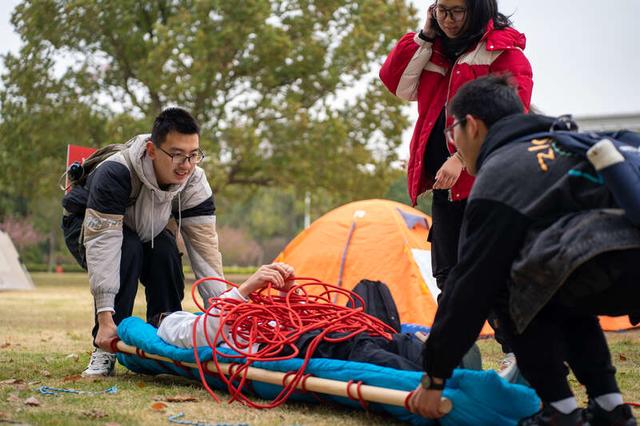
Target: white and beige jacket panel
<point>123,191</point>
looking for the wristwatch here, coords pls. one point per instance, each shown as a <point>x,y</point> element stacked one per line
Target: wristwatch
<point>459,157</point>
<point>425,37</point>
<point>427,383</point>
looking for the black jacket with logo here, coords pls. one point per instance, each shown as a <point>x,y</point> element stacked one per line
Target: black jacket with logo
<point>534,215</point>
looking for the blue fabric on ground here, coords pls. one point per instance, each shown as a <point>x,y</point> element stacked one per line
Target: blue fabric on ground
<point>478,397</point>
<point>413,328</point>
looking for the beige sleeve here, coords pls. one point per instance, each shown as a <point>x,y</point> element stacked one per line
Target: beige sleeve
<point>201,241</point>
<point>103,244</point>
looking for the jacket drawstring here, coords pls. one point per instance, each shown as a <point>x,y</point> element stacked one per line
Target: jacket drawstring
<point>153,196</point>
<point>179,215</point>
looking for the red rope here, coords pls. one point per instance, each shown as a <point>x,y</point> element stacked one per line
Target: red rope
<point>359,398</point>
<point>406,400</point>
<point>114,344</point>
<point>261,329</point>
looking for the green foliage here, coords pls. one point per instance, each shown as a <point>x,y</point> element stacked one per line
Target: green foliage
<point>286,93</point>
<point>44,267</point>
<point>75,268</point>
<point>397,191</point>
<point>261,76</point>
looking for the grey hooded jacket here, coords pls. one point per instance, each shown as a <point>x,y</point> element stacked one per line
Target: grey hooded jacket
<point>123,191</point>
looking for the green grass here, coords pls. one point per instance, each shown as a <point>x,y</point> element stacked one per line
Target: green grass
<point>45,340</point>
<point>74,267</point>
<point>625,353</point>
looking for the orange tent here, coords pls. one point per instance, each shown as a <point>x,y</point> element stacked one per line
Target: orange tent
<point>375,240</point>
<point>615,323</point>
<point>379,240</point>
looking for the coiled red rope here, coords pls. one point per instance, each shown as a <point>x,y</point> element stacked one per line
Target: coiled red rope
<point>261,329</point>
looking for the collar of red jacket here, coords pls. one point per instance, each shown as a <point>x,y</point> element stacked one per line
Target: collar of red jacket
<point>507,38</point>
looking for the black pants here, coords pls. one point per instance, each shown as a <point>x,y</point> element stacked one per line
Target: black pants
<point>403,352</point>
<point>444,234</point>
<point>567,330</point>
<point>159,269</point>
<point>444,237</point>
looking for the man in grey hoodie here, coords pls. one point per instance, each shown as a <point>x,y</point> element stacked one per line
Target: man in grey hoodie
<point>130,198</point>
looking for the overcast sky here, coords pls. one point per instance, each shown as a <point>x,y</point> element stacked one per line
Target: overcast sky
<point>8,39</point>
<point>585,54</point>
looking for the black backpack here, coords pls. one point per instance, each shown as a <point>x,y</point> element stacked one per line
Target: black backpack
<point>622,178</point>
<point>75,201</point>
<point>378,302</point>
<point>78,172</point>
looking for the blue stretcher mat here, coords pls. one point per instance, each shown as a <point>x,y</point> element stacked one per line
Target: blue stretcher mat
<point>478,397</point>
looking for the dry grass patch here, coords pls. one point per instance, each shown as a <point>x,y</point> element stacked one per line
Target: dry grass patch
<point>45,340</point>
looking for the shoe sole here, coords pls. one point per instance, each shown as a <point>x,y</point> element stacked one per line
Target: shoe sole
<point>98,374</point>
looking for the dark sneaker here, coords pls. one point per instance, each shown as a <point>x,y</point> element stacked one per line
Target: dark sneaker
<point>619,416</point>
<point>552,417</point>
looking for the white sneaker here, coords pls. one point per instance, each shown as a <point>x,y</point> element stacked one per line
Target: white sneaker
<point>508,367</point>
<point>101,364</point>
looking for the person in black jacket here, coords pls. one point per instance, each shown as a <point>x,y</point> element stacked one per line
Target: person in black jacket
<point>543,247</point>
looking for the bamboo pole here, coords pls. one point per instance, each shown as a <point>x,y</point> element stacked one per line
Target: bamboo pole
<point>312,384</point>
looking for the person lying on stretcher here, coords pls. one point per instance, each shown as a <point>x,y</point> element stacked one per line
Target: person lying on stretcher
<point>402,351</point>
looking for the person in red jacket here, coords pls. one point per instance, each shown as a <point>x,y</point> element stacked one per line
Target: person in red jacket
<point>461,40</point>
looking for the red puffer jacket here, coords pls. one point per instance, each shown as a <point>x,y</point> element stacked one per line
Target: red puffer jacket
<point>418,70</point>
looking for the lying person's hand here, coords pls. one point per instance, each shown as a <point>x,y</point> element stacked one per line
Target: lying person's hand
<point>275,273</point>
<point>288,275</point>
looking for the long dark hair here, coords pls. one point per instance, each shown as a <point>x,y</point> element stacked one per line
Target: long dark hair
<point>479,13</point>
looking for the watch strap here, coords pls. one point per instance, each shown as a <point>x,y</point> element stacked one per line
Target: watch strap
<point>425,37</point>
<point>427,383</point>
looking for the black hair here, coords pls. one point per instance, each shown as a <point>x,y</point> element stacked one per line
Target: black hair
<point>479,13</point>
<point>488,98</point>
<point>173,120</point>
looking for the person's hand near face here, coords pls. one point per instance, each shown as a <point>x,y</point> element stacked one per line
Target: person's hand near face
<point>428,28</point>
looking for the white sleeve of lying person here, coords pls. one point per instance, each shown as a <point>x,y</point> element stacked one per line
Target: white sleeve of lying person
<point>177,328</point>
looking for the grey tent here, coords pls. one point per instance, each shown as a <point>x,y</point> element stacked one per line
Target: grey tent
<point>13,276</point>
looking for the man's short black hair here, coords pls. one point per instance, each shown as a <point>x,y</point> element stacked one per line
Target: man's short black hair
<point>488,98</point>
<point>173,120</point>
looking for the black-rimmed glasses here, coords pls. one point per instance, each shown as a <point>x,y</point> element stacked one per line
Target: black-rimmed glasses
<point>448,132</point>
<point>455,13</point>
<point>194,158</point>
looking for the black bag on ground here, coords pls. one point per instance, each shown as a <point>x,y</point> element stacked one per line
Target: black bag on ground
<point>378,302</point>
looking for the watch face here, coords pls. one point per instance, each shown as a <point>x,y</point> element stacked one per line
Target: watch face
<point>425,381</point>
